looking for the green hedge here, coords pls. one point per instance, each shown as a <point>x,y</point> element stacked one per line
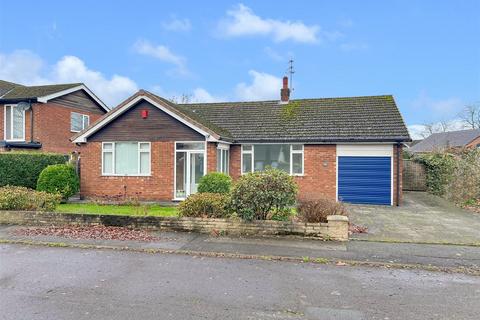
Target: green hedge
<point>23,168</point>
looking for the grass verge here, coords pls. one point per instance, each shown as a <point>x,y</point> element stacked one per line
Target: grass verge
<point>126,210</point>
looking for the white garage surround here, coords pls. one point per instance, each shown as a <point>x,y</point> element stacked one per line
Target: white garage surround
<point>366,150</point>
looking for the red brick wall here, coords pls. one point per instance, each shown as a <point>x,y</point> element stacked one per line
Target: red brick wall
<point>158,186</point>
<point>320,172</point>
<point>395,200</point>
<point>473,143</point>
<point>235,161</point>
<point>211,157</point>
<point>51,126</point>
<point>318,180</point>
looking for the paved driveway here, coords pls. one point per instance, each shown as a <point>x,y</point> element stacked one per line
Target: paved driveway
<point>422,218</point>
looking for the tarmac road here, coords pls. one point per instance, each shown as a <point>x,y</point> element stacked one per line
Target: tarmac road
<point>68,283</point>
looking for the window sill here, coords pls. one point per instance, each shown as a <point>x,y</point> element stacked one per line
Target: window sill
<point>15,140</point>
<point>291,175</point>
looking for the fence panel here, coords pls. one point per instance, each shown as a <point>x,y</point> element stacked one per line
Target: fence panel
<point>414,176</point>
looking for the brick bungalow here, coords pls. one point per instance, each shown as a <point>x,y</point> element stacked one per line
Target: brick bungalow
<point>341,148</point>
<point>45,117</point>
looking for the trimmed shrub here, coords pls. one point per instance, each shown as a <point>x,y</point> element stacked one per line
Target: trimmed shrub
<point>316,211</point>
<point>59,178</point>
<point>23,168</point>
<point>215,182</point>
<point>21,198</point>
<point>205,205</point>
<point>259,195</point>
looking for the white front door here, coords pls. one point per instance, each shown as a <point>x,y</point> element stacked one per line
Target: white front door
<point>189,168</point>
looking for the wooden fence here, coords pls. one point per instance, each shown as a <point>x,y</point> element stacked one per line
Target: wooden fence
<point>414,176</point>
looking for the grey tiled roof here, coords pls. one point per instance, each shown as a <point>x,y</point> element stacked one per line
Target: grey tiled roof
<point>20,92</point>
<point>6,86</point>
<point>371,118</point>
<point>439,141</point>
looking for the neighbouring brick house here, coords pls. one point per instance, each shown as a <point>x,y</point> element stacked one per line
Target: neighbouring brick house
<point>341,148</point>
<point>45,117</point>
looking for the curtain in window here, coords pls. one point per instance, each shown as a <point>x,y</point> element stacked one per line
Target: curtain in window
<point>126,158</point>
<point>76,122</point>
<point>8,123</point>
<point>274,155</point>
<point>18,123</point>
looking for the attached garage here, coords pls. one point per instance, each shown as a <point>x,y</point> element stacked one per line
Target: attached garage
<point>364,174</point>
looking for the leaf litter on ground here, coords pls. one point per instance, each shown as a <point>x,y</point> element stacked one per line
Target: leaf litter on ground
<point>88,232</point>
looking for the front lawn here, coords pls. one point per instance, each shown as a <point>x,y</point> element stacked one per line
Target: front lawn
<point>127,210</point>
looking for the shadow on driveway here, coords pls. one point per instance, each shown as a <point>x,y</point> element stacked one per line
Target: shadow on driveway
<point>422,218</point>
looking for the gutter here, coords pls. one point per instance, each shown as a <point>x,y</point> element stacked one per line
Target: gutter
<point>23,145</point>
<point>17,100</point>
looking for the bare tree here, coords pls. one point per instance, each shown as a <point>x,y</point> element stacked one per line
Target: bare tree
<point>471,116</point>
<point>183,99</point>
<point>431,128</point>
<point>444,126</point>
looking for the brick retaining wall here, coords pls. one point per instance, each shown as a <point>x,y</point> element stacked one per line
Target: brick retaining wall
<point>335,229</point>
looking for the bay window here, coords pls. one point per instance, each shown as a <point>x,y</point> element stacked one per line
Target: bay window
<point>126,158</point>
<point>78,121</point>
<point>286,157</point>
<point>223,159</point>
<point>14,123</point>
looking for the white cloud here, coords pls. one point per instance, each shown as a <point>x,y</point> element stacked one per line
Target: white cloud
<point>202,95</point>
<point>73,69</point>
<point>264,86</point>
<point>162,53</point>
<point>199,95</point>
<point>27,68</point>
<point>177,24</point>
<point>22,66</point>
<point>242,21</point>
<point>442,107</point>
<point>418,131</point>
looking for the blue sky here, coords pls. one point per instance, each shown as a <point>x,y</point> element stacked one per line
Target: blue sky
<point>425,53</point>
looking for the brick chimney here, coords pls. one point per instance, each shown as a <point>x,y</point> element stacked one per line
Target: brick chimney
<point>285,91</point>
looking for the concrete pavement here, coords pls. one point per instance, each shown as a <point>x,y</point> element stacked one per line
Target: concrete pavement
<point>455,258</point>
<point>67,283</point>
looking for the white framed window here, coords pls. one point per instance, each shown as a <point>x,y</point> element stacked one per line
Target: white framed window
<point>126,158</point>
<point>286,157</point>
<point>14,119</point>
<point>297,160</point>
<point>78,121</point>
<point>223,159</point>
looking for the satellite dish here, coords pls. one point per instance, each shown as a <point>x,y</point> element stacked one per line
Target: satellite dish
<point>24,106</point>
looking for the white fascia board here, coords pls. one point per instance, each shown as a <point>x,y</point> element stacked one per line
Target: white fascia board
<point>45,99</point>
<point>83,137</point>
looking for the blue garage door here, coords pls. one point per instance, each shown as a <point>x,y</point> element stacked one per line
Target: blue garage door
<point>365,180</point>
